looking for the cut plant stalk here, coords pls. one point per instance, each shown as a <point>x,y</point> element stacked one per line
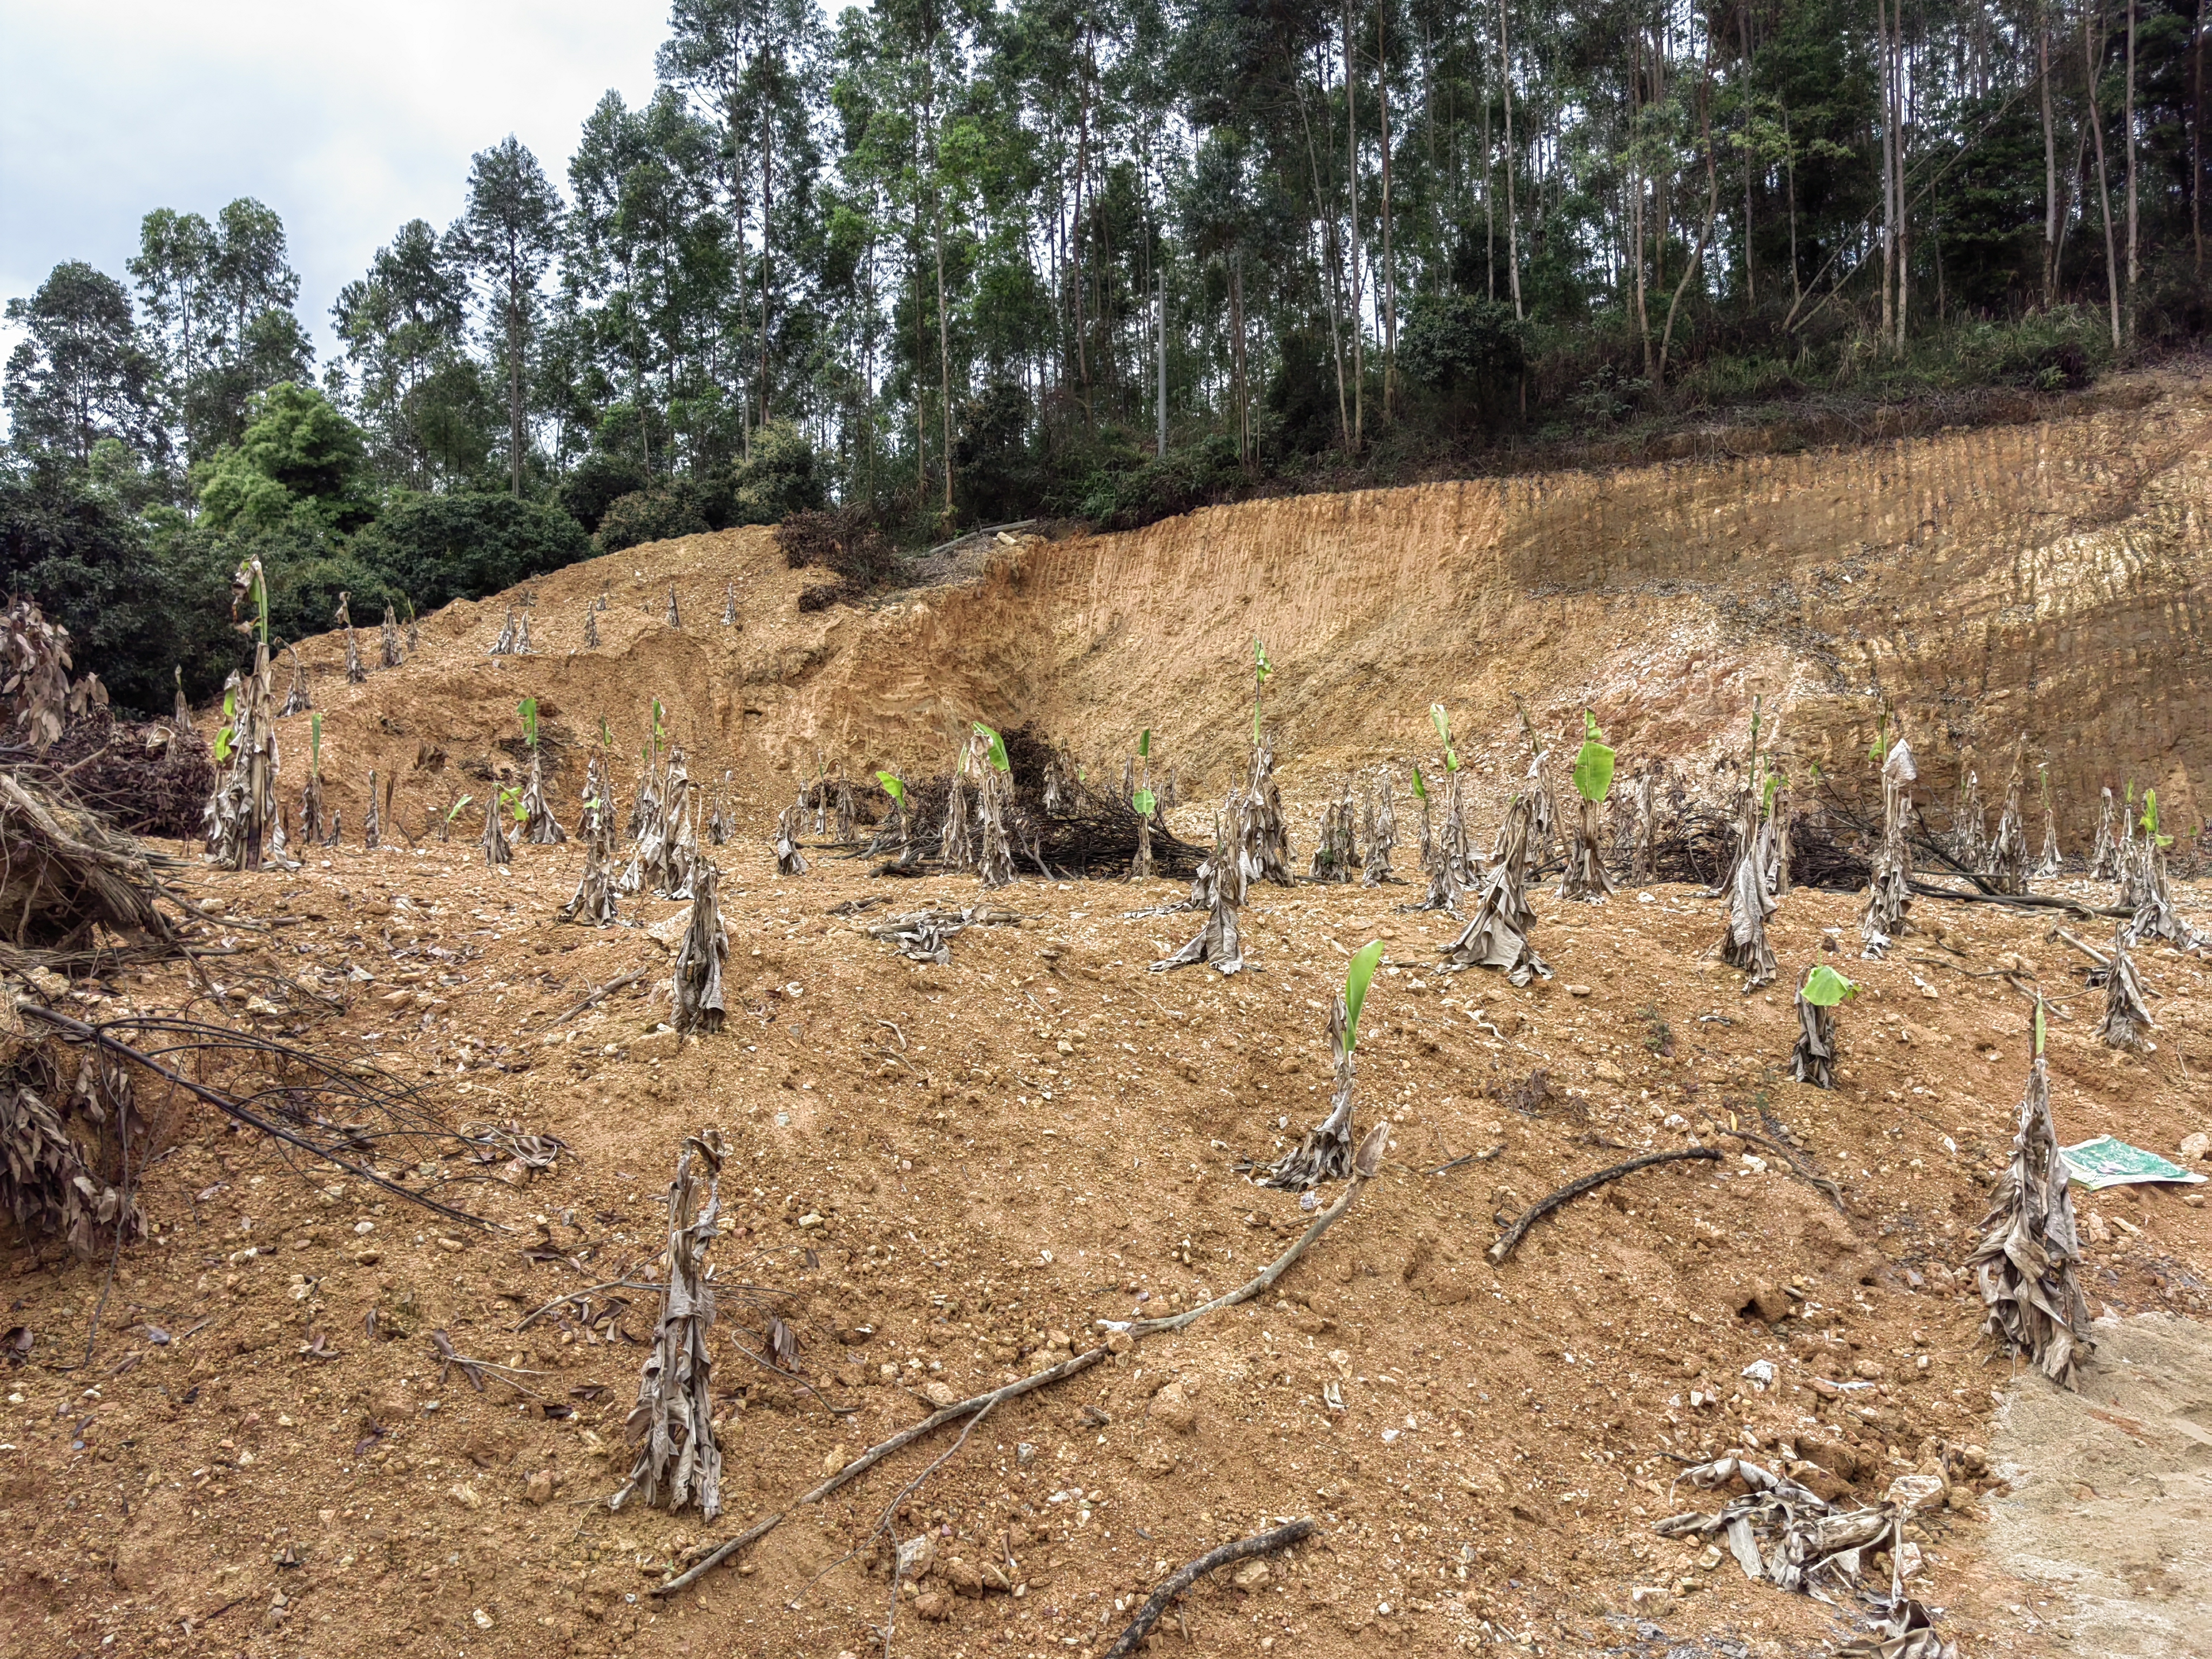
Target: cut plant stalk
<point>1886,916</point>
<point>994,863</point>
<point>2007,851</point>
<point>2049,863</point>
<point>2105,861</point>
<point>182,717</point>
<point>2148,889</point>
<point>504,646</point>
<point>495,849</point>
<point>354,672</point>
<point>1221,885</point>
<point>2026,1261</point>
<point>389,638</point>
<point>2127,1015</point>
<point>1497,933</point>
<point>697,990</point>
<point>1970,825</point>
<point>1584,877</point>
<point>1335,852</point>
<point>1744,944</point>
<point>729,605</point>
<point>1382,829</point>
<point>1820,989</point>
<point>591,631</point>
<point>372,825</point>
<point>296,701</point>
<point>789,861</point>
<point>1324,1153</point>
<point>673,1424</point>
<point>241,814</point>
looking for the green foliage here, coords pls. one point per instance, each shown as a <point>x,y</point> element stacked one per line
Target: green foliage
<point>299,460</point>
<point>1594,765</point>
<point>1420,784</point>
<point>892,787</point>
<point>2149,821</point>
<point>596,483</point>
<point>1144,800</point>
<point>528,709</point>
<point>1463,344</point>
<point>455,810</point>
<point>779,479</point>
<point>436,549</point>
<point>1880,747</point>
<point>1825,987</point>
<point>315,745</point>
<point>1357,976</point>
<point>1437,718</point>
<point>1145,745</point>
<point>995,745</point>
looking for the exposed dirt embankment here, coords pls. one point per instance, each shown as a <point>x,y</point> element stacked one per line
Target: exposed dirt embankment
<point>2041,578</point>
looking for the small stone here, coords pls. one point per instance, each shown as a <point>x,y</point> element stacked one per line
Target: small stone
<point>932,1606</point>
<point>916,1557</point>
<point>834,1460</point>
<point>1250,1576</point>
<point>466,1496</point>
<point>1869,1370</point>
<point>447,1241</point>
<point>1173,1409</point>
<point>2197,1147</point>
<point>1579,990</point>
<point>939,1394</point>
<point>538,1489</point>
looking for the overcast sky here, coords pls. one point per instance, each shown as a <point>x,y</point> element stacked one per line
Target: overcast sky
<point>348,118</point>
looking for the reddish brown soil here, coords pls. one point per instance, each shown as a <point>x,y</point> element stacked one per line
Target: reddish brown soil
<point>1522,1425</point>
<point>1003,1151</point>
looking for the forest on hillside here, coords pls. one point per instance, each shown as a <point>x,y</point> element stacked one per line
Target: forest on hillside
<point>917,266</point>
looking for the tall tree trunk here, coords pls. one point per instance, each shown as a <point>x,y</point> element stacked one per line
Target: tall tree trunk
<point>1705,231</point>
<point>768,201</point>
<point>2134,265</point>
<point>2196,134</point>
<point>2050,159</point>
<point>1750,267</point>
<point>1512,231</point>
<point>2092,59</point>
<point>1904,203</point>
<point>1359,266</point>
<point>517,303</point>
<point>1325,207</point>
<point>1389,272</point>
<point>1888,173</point>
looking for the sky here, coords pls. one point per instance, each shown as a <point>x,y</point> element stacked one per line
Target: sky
<point>348,118</point>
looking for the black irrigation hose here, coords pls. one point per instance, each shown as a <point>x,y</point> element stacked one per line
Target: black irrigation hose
<point>1511,1238</point>
<point>1264,1543</point>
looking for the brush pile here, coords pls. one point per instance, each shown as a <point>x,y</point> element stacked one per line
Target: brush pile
<point>69,1137</point>
<point>145,777</point>
<point>65,870</point>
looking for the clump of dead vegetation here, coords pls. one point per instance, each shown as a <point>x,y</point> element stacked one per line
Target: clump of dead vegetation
<point>1324,1153</point>
<point>672,1427</point>
<point>2026,1261</point>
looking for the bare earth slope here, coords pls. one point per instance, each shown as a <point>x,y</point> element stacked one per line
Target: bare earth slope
<point>945,1177</point>
<point>2041,578</point>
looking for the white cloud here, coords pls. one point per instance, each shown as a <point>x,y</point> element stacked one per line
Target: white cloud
<point>347,117</point>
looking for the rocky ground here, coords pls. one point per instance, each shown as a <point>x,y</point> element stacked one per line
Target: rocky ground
<point>944,1177</point>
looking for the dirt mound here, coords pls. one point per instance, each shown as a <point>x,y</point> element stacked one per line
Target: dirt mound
<point>2038,578</point>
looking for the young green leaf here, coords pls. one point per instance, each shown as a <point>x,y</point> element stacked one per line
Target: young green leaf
<point>1880,740</point>
<point>230,706</point>
<point>1356,980</point>
<point>1593,766</point>
<point>1144,800</point>
<point>1260,665</point>
<point>2150,820</point>
<point>528,709</point>
<point>222,744</point>
<point>1145,745</point>
<point>315,745</point>
<point>996,744</point>
<point>1441,722</point>
<point>1420,784</point>
<point>892,787</point>
<point>1827,988</point>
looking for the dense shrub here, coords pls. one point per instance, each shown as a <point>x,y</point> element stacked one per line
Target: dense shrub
<point>434,549</point>
<point>599,481</point>
<point>845,539</point>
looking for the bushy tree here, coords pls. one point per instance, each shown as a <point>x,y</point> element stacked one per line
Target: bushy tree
<point>81,373</point>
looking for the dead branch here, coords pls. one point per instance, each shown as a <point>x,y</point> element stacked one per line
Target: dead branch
<point>1510,1240</point>
<point>619,982</point>
<point>874,1455</point>
<point>343,1085</point>
<point>1264,1543</point>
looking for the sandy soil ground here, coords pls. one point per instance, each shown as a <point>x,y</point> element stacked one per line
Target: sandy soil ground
<point>945,1175</point>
